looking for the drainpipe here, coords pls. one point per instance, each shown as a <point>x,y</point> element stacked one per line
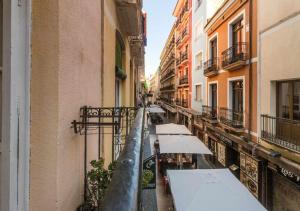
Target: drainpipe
<point>250,70</point>
<point>101,138</point>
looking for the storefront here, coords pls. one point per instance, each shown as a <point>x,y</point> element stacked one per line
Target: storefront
<point>184,118</point>
<point>283,189</point>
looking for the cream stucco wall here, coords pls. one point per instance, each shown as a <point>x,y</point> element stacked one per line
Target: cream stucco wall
<point>272,11</point>
<point>111,25</point>
<point>279,48</point>
<point>66,52</point>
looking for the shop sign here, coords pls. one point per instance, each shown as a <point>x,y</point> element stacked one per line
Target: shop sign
<point>249,175</point>
<point>288,174</point>
<point>222,154</point>
<point>224,139</point>
<point>150,165</point>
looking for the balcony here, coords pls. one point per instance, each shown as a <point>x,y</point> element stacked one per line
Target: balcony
<point>282,132</point>
<point>169,74</point>
<point>182,102</point>
<point>209,113</point>
<point>184,80</point>
<point>184,57</point>
<point>235,57</point>
<point>129,14</point>
<point>184,35</point>
<point>168,88</point>
<point>231,119</point>
<point>178,61</point>
<point>178,41</point>
<point>124,189</point>
<point>211,67</point>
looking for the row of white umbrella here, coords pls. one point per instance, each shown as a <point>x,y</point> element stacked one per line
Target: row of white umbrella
<point>201,189</point>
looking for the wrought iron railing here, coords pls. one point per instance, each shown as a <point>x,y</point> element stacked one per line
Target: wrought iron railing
<point>184,103</point>
<point>124,191</point>
<point>178,41</point>
<point>231,118</point>
<point>184,33</point>
<point>209,112</point>
<point>280,131</point>
<point>238,52</point>
<point>178,61</point>
<point>169,73</point>
<point>170,87</point>
<point>184,57</point>
<point>184,80</point>
<point>210,65</point>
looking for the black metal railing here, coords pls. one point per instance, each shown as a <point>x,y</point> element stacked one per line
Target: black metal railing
<point>238,52</point>
<point>184,56</point>
<point>124,191</point>
<point>184,103</point>
<point>209,112</point>
<point>167,100</point>
<point>169,73</point>
<point>178,61</point>
<point>184,33</point>
<point>184,80</point>
<point>169,87</point>
<point>280,131</point>
<point>178,41</point>
<point>210,66</point>
<point>231,118</point>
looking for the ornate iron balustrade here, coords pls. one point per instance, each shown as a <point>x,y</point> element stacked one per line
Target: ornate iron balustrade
<point>211,67</point>
<point>280,131</point>
<point>238,52</point>
<point>124,190</point>
<point>170,87</point>
<point>116,121</point>
<point>184,80</point>
<point>184,33</point>
<point>184,103</point>
<point>168,74</point>
<point>178,41</point>
<point>184,57</point>
<point>209,112</point>
<point>231,118</point>
<point>178,61</point>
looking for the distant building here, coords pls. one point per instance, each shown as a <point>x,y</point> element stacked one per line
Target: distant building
<point>154,87</point>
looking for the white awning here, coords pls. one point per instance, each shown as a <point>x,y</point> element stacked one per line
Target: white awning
<point>182,144</point>
<point>155,109</point>
<point>210,190</point>
<point>172,129</point>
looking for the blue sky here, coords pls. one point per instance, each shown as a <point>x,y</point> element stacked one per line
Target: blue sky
<point>160,20</point>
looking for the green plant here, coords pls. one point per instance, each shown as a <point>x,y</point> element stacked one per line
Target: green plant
<point>147,177</point>
<point>98,179</point>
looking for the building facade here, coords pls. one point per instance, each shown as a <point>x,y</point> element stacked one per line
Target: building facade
<point>230,115</point>
<point>154,86</point>
<point>168,78</point>
<point>71,55</point>
<point>279,99</point>
<point>183,55</point>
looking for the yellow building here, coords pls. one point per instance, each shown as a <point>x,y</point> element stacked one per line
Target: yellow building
<point>69,55</point>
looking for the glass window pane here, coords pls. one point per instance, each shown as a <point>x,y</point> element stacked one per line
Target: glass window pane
<point>296,101</point>
<point>283,100</point>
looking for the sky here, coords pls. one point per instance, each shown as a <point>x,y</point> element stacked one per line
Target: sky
<point>159,24</point>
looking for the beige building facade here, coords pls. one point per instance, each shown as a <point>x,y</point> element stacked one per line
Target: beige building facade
<point>279,98</point>
<point>75,54</point>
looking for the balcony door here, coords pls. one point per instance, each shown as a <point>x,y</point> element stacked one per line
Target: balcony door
<point>237,38</point>
<point>288,111</point>
<point>214,98</point>
<point>214,49</point>
<point>237,101</point>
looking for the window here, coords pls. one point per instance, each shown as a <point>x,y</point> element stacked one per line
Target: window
<point>198,30</point>
<point>237,96</point>
<point>213,96</point>
<point>213,48</point>
<point>198,92</point>
<point>198,61</point>
<point>288,100</point>
<point>237,32</point>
